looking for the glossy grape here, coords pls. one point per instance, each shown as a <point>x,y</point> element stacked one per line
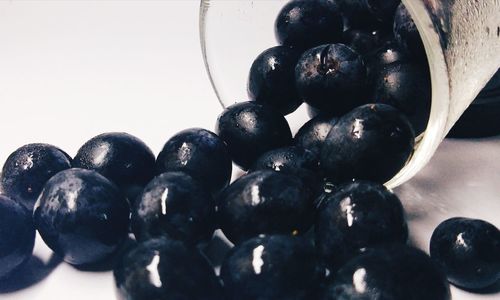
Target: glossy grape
<point>251,129</point>
<point>331,78</point>
<point>27,170</point>
<point>17,236</point>
<point>387,54</point>
<point>312,134</point>
<point>407,87</point>
<point>389,273</point>
<point>291,160</point>
<point>164,269</point>
<point>406,34</point>
<point>365,41</point>
<point>357,15</point>
<point>201,154</point>
<point>271,267</point>
<point>468,250</point>
<point>358,215</point>
<point>82,216</point>
<point>372,142</point>
<point>265,202</point>
<point>308,23</point>
<point>383,10</point>
<point>121,158</point>
<point>272,79</point>
<point>176,205</point>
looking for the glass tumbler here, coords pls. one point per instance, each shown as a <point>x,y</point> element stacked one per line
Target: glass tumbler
<point>461,39</point>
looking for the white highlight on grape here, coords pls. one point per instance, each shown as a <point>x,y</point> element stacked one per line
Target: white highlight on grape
<point>358,280</point>
<point>72,200</point>
<point>357,128</point>
<point>257,261</point>
<point>101,154</point>
<point>154,276</point>
<point>347,207</point>
<point>255,193</point>
<point>273,63</point>
<point>184,154</point>
<point>460,240</point>
<point>164,196</point>
<point>29,162</point>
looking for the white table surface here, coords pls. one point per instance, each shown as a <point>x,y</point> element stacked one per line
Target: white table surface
<point>70,70</point>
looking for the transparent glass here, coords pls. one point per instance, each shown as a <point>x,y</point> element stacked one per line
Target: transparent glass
<point>461,39</point>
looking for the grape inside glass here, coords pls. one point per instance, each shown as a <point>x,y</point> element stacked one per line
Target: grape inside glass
<point>461,40</point>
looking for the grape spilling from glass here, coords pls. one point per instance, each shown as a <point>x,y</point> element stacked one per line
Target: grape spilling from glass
<point>309,219</point>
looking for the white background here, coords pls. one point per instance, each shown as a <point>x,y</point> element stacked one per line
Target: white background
<point>70,70</point>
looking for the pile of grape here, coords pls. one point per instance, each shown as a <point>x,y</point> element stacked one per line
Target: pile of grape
<point>310,218</point>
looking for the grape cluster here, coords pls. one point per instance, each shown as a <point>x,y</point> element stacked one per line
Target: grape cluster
<point>309,219</point>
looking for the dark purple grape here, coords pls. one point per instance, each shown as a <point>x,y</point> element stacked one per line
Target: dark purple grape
<point>201,154</point>
<point>469,252</point>
<point>293,160</point>
<point>265,202</point>
<point>358,215</point>
<point>164,269</point>
<point>272,267</point>
<point>290,160</point>
<point>175,205</point>
<point>312,134</point>
<point>407,87</point>
<point>372,142</point>
<point>406,34</point>
<point>365,41</point>
<point>308,23</point>
<point>27,170</point>
<point>121,158</point>
<point>272,79</point>
<point>17,236</point>
<point>357,15</point>
<point>389,273</point>
<point>387,54</point>
<point>251,129</point>
<point>82,216</point>
<point>383,10</point>
<point>331,78</point>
